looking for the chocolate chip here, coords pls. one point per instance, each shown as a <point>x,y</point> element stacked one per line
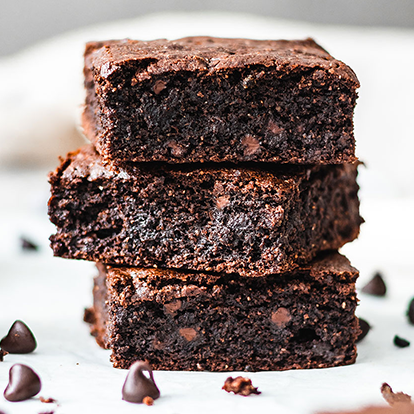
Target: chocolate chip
<point>400,342</point>
<point>364,326</point>
<point>3,353</point>
<point>281,317</point>
<point>240,385</point>
<point>19,340</point>
<point>394,398</point>
<point>188,333</point>
<point>376,286</point>
<point>27,244</point>
<point>410,311</point>
<point>159,86</point>
<point>251,145</point>
<point>23,384</point>
<point>137,386</point>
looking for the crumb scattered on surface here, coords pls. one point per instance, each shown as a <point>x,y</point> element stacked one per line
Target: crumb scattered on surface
<point>27,244</point>
<point>2,355</point>
<point>47,400</point>
<point>240,385</point>
<point>392,397</point>
<point>148,401</point>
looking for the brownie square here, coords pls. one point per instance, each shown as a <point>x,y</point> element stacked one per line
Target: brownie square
<point>194,321</point>
<point>246,220</point>
<point>202,99</point>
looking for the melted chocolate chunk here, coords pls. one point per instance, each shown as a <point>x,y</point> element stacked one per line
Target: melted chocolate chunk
<point>240,385</point>
<point>392,397</point>
<point>410,312</point>
<point>23,384</point>
<point>376,286</point>
<point>137,386</point>
<point>28,245</point>
<point>401,342</point>
<point>19,340</point>
<point>365,327</point>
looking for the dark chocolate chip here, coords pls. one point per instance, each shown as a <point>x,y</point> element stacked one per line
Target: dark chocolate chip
<point>27,244</point>
<point>137,386</point>
<point>400,342</point>
<point>23,384</point>
<point>410,311</point>
<point>2,354</point>
<point>393,398</point>
<point>365,327</point>
<point>19,340</point>
<point>240,385</point>
<point>376,286</point>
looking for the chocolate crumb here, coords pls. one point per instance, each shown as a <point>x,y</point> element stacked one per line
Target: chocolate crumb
<point>148,401</point>
<point>240,385</point>
<point>376,286</point>
<point>364,326</point>
<point>27,244</point>
<point>401,342</point>
<point>89,316</point>
<point>47,400</point>
<point>410,312</point>
<point>2,354</point>
<point>394,398</point>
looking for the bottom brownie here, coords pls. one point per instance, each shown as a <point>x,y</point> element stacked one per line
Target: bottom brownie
<point>194,321</point>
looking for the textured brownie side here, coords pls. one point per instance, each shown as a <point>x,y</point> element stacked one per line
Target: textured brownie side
<point>193,321</point>
<point>208,99</point>
<point>233,220</point>
<point>97,315</point>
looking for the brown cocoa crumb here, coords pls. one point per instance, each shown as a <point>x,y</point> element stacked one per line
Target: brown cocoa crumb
<point>89,316</point>
<point>240,385</point>
<point>148,401</point>
<point>392,397</point>
<point>47,400</point>
<point>2,354</point>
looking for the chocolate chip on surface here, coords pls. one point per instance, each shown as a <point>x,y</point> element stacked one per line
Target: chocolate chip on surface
<point>394,398</point>
<point>19,340</point>
<point>410,311</point>
<point>376,286</point>
<point>23,384</point>
<point>365,327</point>
<point>401,342</point>
<point>240,385</point>
<point>137,386</point>
<point>27,244</point>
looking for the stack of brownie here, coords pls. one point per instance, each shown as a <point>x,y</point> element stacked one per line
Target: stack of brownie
<point>220,184</point>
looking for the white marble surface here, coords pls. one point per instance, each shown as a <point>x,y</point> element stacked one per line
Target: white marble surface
<point>51,293</point>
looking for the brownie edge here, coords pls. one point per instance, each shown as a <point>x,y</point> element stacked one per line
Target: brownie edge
<point>233,219</point>
<point>194,321</point>
<point>205,99</point>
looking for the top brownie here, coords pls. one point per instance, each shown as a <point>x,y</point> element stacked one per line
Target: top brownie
<point>203,99</point>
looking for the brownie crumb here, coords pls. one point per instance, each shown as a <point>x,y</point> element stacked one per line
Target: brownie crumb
<point>401,342</point>
<point>410,312</point>
<point>89,315</point>
<point>240,385</point>
<point>47,400</point>
<point>392,397</point>
<point>148,401</point>
<point>2,355</point>
<point>364,326</point>
<point>27,244</point>
<point>376,286</point>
